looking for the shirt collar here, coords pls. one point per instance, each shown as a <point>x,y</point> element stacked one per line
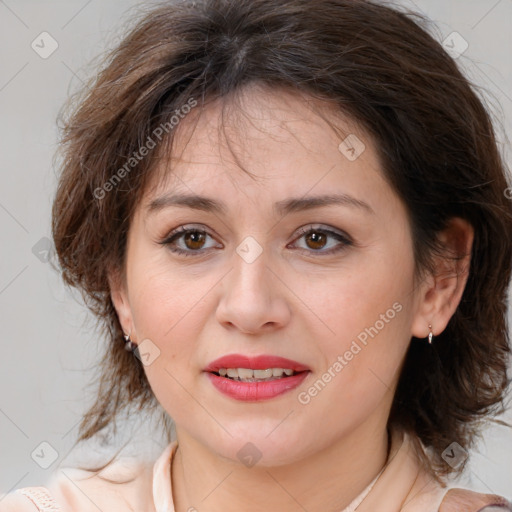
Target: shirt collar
<point>401,482</point>
<point>162,493</point>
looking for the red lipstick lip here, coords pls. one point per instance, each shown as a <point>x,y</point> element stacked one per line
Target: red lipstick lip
<point>262,362</point>
<point>256,391</point>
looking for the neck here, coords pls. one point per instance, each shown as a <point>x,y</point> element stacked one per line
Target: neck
<point>326,480</point>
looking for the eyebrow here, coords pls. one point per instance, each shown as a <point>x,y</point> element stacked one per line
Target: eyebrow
<point>283,207</point>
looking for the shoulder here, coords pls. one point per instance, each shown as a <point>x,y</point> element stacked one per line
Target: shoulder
<point>457,500</point>
<point>125,482</point>
<point>14,502</point>
<point>428,494</point>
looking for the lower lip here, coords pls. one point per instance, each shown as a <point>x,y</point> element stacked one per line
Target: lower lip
<point>256,391</point>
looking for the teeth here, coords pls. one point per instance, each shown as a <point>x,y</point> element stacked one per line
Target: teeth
<point>248,375</point>
<point>259,374</point>
<point>243,373</point>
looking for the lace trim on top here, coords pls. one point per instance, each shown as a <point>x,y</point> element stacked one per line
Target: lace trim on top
<point>41,498</point>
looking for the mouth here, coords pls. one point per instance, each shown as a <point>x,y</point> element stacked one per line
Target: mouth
<point>253,378</point>
<point>250,375</point>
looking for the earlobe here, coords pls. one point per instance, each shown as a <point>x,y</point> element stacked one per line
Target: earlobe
<point>441,292</point>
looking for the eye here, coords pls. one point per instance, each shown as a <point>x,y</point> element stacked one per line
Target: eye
<point>187,241</point>
<point>192,241</point>
<point>323,240</point>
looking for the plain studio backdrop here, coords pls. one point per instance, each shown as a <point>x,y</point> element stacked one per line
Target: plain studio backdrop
<point>49,346</point>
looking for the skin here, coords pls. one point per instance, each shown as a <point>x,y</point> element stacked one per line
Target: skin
<point>292,301</point>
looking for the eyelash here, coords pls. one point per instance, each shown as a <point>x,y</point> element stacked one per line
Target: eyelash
<point>178,233</point>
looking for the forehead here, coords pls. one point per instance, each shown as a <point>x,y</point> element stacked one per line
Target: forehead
<point>268,142</point>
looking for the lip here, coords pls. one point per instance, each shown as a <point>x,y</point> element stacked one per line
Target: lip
<point>255,391</point>
<point>262,362</point>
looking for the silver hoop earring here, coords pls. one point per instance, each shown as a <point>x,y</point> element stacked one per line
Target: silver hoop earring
<point>129,345</point>
<point>430,334</point>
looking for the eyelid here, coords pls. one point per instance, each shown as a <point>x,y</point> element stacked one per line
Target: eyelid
<point>183,229</point>
<point>342,237</point>
<point>325,229</point>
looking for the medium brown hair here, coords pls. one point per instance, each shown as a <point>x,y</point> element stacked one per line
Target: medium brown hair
<point>376,64</point>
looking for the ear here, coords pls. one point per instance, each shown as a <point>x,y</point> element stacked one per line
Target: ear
<point>119,296</point>
<point>440,293</point>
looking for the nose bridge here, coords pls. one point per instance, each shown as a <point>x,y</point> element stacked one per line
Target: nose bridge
<point>252,297</point>
<point>250,273</point>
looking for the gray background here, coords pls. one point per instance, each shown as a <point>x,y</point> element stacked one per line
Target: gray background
<point>48,340</point>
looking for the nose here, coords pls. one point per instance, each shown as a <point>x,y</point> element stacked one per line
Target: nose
<point>253,300</point>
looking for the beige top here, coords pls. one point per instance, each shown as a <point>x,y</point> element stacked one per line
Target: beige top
<point>401,486</point>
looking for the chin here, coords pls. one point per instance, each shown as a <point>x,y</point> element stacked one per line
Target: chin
<point>256,447</point>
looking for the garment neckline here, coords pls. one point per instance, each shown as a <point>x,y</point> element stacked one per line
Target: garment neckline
<point>162,492</point>
<point>162,485</point>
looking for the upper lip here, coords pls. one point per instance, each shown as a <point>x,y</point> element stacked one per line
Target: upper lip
<point>261,362</point>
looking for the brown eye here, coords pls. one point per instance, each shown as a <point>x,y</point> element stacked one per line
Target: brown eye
<point>316,240</point>
<point>189,241</point>
<point>322,241</point>
<point>194,239</point>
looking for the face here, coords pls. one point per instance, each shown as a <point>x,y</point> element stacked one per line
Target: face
<point>263,269</point>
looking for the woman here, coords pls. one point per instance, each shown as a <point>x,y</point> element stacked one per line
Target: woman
<point>295,215</point>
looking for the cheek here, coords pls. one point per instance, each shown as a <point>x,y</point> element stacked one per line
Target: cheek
<point>372,299</point>
<point>163,297</point>
<point>368,314</point>
<point>167,311</point>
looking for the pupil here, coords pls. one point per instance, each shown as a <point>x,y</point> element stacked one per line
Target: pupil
<point>318,240</point>
<point>196,238</point>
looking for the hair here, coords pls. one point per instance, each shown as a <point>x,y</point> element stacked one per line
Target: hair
<point>379,66</point>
